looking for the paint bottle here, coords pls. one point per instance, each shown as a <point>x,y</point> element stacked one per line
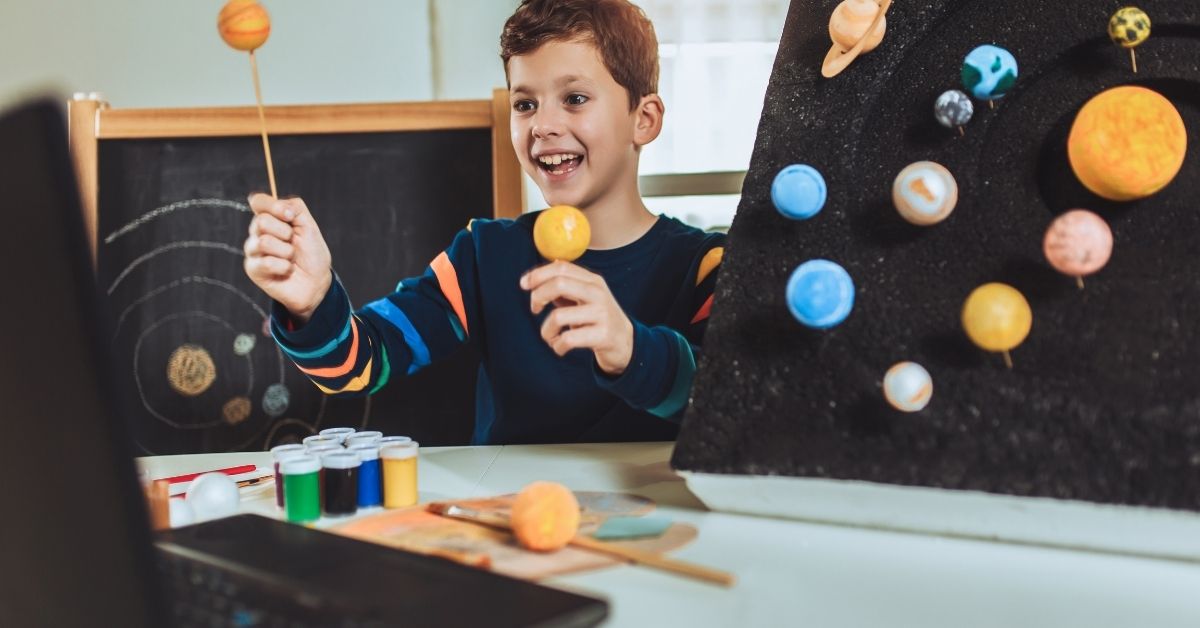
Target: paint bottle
<point>370,475</point>
<point>359,438</point>
<point>278,453</point>
<point>318,450</point>
<point>320,439</point>
<point>341,483</point>
<point>339,433</point>
<point>399,474</point>
<point>392,440</point>
<point>301,494</point>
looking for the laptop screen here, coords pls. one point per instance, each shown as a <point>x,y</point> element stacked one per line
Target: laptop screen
<point>74,542</point>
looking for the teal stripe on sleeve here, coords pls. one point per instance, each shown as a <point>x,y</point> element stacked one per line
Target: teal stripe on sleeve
<point>320,351</point>
<point>685,371</point>
<point>387,370</point>
<point>394,315</point>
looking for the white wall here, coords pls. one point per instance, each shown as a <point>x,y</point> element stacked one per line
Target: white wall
<point>466,37</point>
<point>166,53</point>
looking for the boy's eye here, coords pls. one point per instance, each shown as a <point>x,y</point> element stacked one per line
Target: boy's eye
<point>523,105</point>
<point>576,99</point>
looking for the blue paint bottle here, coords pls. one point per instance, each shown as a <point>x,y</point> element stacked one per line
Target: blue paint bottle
<point>370,475</point>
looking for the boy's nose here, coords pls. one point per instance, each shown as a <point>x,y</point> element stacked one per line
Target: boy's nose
<point>546,131</point>
<point>546,126</point>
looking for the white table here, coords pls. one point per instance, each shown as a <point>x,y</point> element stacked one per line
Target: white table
<point>797,573</point>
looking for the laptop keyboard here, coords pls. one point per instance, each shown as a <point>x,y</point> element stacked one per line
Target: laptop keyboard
<point>202,595</point>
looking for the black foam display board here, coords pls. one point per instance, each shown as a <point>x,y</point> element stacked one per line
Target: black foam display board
<point>1103,400</point>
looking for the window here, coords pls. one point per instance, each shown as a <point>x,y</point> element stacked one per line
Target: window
<point>716,58</point>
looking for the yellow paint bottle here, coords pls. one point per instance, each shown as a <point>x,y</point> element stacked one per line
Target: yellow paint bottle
<point>399,474</point>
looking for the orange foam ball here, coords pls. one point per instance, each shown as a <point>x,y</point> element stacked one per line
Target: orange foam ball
<point>545,516</point>
<point>244,24</point>
<point>1127,143</point>
<point>562,233</point>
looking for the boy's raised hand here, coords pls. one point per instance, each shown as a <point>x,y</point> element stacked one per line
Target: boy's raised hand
<point>586,315</point>
<point>286,256</point>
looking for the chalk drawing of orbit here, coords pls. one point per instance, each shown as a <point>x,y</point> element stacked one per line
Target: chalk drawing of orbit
<point>191,373</point>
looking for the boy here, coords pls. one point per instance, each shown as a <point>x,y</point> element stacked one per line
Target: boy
<point>598,350</point>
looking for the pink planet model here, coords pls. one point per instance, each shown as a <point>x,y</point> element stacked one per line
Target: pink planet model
<point>1078,243</point>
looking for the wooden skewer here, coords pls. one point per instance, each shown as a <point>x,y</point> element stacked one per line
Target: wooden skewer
<point>1133,58</point>
<point>1079,282</point>
<point>262,120</point>
<point>1007,359</point>
<point>640,557</point>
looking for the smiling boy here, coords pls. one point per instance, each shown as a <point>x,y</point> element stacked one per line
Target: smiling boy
<point>602,349</point>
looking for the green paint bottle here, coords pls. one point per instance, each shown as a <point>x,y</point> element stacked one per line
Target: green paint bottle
<point>301,490</point>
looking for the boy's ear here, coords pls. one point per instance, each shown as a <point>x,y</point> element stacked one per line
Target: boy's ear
<point>648,119</point>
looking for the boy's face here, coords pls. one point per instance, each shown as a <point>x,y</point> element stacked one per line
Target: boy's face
<point>571,124</point>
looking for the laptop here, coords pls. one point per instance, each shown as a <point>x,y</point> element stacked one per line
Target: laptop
<point>75,543</point>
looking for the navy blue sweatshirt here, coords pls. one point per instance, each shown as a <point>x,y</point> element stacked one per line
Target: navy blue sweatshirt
<point>525,393</point>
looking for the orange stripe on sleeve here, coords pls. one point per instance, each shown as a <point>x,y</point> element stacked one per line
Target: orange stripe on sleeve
<point>448,280</point>
<point>344,367</point>
<point>710,261</point>
<point>704,310</point>
<point>354,385</point>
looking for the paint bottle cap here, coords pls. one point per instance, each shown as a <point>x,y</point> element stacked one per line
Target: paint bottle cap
<point>337,432</point>
<point>319,439</point>
<point>368,436</point>
<point>389,440</point>
<point>341,460</point>
<point>365,451</point>
<point>399,451</point>
<point>279,452</point>
<point>321,450</point>
<point>299,465</point>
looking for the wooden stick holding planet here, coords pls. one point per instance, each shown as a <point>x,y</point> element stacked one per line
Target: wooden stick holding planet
<point>245,25</point>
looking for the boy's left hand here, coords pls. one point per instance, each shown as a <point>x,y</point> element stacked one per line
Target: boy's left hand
<point>586,315</point>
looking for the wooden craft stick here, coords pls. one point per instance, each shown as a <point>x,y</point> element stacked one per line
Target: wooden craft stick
<point>640,557</point>
<point>262,120</point>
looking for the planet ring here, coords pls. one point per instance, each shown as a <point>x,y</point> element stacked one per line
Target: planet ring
<point>836,60</point>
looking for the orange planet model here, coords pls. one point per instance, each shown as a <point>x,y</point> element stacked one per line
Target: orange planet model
<point>545,516</point>
<point>244,24</point>
<point>1127,143</point>
<point>562,233</point>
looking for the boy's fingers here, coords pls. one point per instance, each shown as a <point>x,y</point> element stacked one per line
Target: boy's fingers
<point>285,209</point>
<point>272,267</point>
<point>561,317</point>
<point>266,224</point>
<point>577,338</point>
<point>270,246</point>
<point>560,287</point>
<point>542,274</point>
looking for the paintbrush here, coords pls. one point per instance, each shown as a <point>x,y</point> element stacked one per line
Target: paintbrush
<point>640,557</point>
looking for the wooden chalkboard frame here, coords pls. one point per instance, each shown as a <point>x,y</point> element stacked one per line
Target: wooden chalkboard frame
<point>92,120</point>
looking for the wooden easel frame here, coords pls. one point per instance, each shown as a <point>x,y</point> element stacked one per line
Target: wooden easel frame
<point>92,120</point>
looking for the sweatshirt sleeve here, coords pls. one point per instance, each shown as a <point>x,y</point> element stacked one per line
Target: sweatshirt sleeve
<point>427,318</point>
<point>663,365</point>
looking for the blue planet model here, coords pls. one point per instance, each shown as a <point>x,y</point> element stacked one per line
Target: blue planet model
<point>798,192</point>
<point>989,72</point>
<point>820,294</point>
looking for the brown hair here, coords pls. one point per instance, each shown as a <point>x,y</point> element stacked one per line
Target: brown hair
<point>619,30</point>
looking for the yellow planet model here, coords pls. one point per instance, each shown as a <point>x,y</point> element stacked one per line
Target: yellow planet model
<point>997,317</point>
<point>244,24</point>
<point>1127,143</point>
<point>561,233</point>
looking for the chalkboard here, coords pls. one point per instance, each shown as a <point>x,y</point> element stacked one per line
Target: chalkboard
<point>196,367</point>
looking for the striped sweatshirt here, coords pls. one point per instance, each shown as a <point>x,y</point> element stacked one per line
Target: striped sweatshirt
<point>525,393</point>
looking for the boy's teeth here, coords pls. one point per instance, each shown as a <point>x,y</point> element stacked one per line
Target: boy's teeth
<point>554,160</point>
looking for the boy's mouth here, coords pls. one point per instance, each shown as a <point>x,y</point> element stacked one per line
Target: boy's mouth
<point>559,163</point>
